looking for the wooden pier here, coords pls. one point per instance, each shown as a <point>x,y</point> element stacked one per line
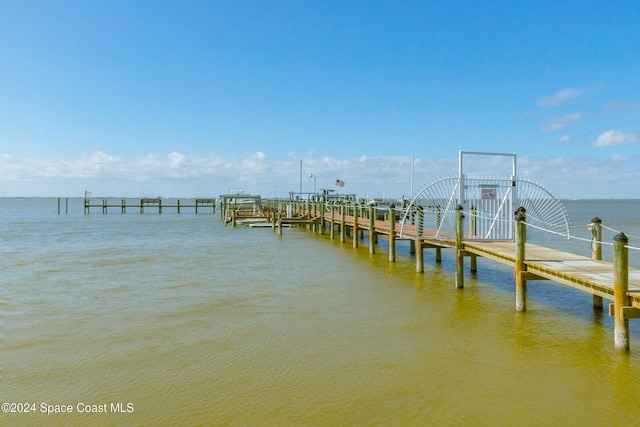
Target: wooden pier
<point>614,281</point>
<point>157,204</point>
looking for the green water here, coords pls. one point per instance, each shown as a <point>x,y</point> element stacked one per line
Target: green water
<point>178,320</point>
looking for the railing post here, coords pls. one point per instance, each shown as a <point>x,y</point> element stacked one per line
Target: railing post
<point>459,247</point>
<point>620,289</point>
<point>596,252</point>
<point>372,231</point>
<point>392,233</point>
<point>520,268</point>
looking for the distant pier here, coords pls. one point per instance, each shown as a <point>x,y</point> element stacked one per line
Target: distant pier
<point>155,204</point>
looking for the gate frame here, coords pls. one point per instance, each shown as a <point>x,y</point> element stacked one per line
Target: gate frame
<point>461,174</point>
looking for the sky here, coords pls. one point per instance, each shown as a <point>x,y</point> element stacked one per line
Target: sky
<point>200,98</point>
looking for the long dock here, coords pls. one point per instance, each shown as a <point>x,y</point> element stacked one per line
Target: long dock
<point>614,281</point>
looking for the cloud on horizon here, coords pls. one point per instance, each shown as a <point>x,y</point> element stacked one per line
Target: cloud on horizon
<point>184,175</point>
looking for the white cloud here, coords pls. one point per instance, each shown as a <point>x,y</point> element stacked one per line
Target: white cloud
<point>560,97</point>
<point>256,173</point>
<point>558,123</point>
<point>612,138</point>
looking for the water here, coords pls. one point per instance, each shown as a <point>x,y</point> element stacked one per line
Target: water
<point>178,320</point>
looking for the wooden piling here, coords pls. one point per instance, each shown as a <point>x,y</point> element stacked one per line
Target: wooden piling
<point>332,224</point>
<point>620,289</point>
<point>459,250</point>
<point>520,267</point>
<point>343,226</point>
<point>473,261</point>
<point>372,231</point>
<point>392,233</point>
<point>355,226</point>
<point>438,222</point>
<point>418,241</point>
<point>596,253</point>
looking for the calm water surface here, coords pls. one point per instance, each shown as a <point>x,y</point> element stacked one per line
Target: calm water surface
<point>180,320</point>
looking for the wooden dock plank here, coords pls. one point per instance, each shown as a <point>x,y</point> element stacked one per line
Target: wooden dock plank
<point>578,271</point>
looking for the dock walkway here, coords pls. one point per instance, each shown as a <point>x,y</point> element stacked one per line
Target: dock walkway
<point>614,281</point>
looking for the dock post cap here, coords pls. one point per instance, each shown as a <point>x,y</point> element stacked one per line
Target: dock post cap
<point>621,237</point>
<point>596,220</point>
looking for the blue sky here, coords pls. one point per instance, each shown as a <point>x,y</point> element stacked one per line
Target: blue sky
<point>195,98</point>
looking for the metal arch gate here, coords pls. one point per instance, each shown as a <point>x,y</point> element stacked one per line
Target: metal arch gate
<point>489,201</point>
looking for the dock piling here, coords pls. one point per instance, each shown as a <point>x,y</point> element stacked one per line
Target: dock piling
<point>520,267</point>
<point>620,289</point>
<point>372,231</point>
<point>392,233</point>
<point>596,253</point>
<point>459,248</point>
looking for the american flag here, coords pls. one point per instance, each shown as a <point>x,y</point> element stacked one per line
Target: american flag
<point>339,183</point>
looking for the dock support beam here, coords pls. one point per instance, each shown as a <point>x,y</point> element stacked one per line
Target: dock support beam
<point>343,226</point>
<point>332,223</point>
<point>473,261</point>
<point>596,253</point>
<point>438,222</point>
<point>520,267</point>
<point>418,241</point>
<point>355,225</point>
<point>392,233</point>
<point>459,248</point>
<point>620,289</point>
<point>372,231</point>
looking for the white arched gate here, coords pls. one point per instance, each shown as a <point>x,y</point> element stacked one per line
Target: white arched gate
<point>489,201</point>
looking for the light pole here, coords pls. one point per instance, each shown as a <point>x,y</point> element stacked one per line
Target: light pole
<point>313,175</point>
